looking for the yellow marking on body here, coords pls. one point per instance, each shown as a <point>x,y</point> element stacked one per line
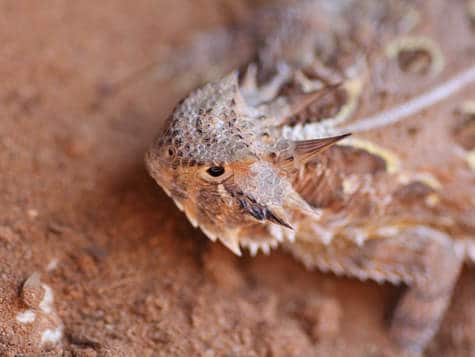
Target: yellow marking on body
<point>393,164</point>
<point>418,43</point>
<point>353,88</point>
<point>428,179</point>
<point>423,177</point>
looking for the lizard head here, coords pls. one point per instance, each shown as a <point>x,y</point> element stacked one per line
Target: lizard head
<point>212,160</point>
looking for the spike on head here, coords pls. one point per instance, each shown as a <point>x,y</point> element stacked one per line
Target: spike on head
<point>315,146</point>
<point>306,150</point>
<point>298,153</point>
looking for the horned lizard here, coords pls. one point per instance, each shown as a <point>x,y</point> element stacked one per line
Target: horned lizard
<point>263,159</point>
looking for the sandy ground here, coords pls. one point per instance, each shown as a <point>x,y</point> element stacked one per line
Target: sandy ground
<point>122,273</point>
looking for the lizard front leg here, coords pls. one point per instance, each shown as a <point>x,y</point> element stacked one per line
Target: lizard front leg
<point>420,310</point>
<point>420,257</point>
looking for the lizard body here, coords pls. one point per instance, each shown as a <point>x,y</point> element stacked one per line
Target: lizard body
<point>262,160</point>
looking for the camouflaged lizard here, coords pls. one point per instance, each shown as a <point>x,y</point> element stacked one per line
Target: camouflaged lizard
<point>263,159</point>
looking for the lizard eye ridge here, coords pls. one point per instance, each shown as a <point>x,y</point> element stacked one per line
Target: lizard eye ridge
<point>215,171</point>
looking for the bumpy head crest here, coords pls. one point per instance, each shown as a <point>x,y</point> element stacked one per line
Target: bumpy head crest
<point>210,126</point>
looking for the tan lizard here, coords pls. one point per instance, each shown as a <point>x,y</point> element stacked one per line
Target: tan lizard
<point>264,160</point>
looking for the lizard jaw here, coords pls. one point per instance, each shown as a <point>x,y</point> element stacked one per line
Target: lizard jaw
<point>234,238</point>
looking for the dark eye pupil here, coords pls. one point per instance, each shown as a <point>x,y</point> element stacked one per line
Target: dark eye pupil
<point>215,171</point>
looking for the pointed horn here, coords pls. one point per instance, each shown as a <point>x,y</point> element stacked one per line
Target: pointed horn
<point>296,202</point>
<point>230,89</point>
<point>276,215</point>
<point>301,101</point>
<point>231,78</point>
<point>249,81</point>
<point>308,149</point>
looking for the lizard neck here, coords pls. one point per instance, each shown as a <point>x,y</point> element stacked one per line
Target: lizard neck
<point>335,176</point>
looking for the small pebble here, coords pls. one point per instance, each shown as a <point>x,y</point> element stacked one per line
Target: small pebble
<point>32,292</point>
<point>32,213</point>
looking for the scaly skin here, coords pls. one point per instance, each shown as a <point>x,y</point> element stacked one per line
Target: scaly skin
<point>264,161</point>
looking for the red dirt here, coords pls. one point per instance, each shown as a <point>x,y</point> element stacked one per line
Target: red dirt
<point>130,276</point>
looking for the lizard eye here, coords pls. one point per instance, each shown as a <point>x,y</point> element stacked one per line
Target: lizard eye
<point>215,171</point>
